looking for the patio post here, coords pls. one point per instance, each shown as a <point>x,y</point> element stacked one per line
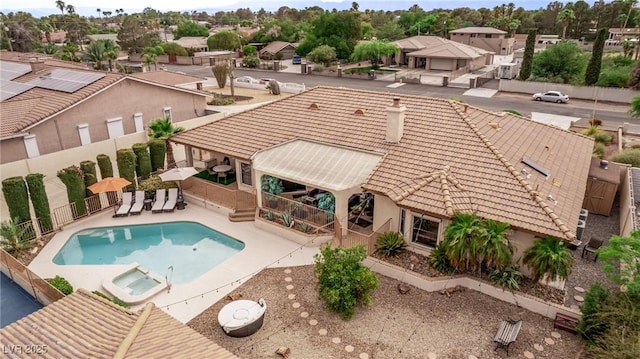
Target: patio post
<point>188,155</point>
<point>342,209</point>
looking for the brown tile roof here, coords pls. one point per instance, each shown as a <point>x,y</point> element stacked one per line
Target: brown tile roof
<point>167,77</point>
<point>275,47</point>
<point>449,159</point>
<point>82,325</point>
<point>477,30</point>
<point>435,46</point>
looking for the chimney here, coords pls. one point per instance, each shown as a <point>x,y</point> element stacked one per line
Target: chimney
<point>37,65</point>
<point>395,121</point>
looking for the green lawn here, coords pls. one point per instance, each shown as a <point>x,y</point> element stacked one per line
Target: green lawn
<point>214,178</point>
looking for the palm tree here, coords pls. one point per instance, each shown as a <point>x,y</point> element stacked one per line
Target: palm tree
<point>163,129</point>
<point>11,238</point>
<point>495,246</point>
<point>549,256</point>
<point>60,5</point>
<point>565,17</point>
<point>71,9</point>
<point>99,12</point>
<point>111,51</point>
<point>513,26</point>
<point>95,53</point>
<point>150,55</point>
<point>462,245</point>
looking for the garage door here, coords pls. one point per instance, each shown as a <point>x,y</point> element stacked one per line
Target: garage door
<point>441,64</point>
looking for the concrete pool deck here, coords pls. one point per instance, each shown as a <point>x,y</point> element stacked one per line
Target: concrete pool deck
<point>183,301</point>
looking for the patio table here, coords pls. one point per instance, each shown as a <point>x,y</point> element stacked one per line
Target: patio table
<point>222,168</point>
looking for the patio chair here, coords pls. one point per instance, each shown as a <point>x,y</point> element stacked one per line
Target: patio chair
<point>222,175</point>
<point>172,198</point>
<point>137,206</point>
<point>210,165</point>
<point>125,206</point>
<point>160,200</point>
<point>591,247</point>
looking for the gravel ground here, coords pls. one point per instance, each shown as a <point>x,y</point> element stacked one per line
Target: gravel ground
<point>414,325</point>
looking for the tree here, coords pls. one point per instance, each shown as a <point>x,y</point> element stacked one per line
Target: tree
<point>527,57</point>
<point>150,55</point>
<point>131,36</point>
<point>496,250</point>
<point>190,28</point>
<point>595,62</point>
<point>172,48</point>
<point>513,26</point>
<point>61,6</point>
<point>249,50</point>
<point>373,50</point>
<point>21,31</point>
<point>343,281</point>
<point>95,53</point>
<point>340,30</point>
<point>224,40</point>
<point>163,129</point>
<point>390,31</point>
<point>625,252</point>
<point>220,73</point>
<point>323,54</point>
<point>565,17</point>
<point>461,238</point>
<point>562,61</point>
<point>634,81</point>
<point>549,256</point>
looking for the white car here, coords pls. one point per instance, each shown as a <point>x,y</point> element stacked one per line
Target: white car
<point>551,96</point>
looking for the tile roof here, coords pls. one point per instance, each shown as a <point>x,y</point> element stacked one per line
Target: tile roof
<point>167,77</point>
<point>452,157</point>
<point>275,46</point>
<point>435,46</point>
<point>191,41</point>
<point>477,30</point>
<point>83,325</point>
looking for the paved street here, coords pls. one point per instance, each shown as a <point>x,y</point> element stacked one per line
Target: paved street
<point>613,114</point>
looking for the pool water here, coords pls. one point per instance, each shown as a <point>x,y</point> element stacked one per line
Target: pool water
<point>190,248</point>
<point>136,282</point>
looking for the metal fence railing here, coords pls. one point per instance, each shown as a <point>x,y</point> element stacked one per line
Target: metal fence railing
<point>39,288</point>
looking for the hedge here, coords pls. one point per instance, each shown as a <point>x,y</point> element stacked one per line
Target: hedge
<point>17,199</point>
<point>40,201</point>
<point>157,150</point>
<point>61,284</point>
<point>90,176</point>
<point>73,180</point>
<point>106,168</point>
<point>143,160</point>
<point>126,160</point>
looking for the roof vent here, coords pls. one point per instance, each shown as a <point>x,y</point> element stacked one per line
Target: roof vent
<point>604,164</point>
<point>360,111</point>
<point>551,199</point>
<point>526,173</point>
<point>314,106</point>
<point>495,126</point>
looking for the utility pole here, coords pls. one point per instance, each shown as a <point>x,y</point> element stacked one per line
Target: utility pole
<point>418,29</point>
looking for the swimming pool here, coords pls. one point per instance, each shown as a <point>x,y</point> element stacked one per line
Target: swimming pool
<point>189,248</point>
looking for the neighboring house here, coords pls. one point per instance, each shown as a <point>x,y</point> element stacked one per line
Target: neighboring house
<point>194,42</point>
<point>487,38</point>
<point>423,159</point>
<point>278,50</point>
<point>83,325</point>
<point>542,41</point>
<point>94,37</point>
<point>56,37</point>
<point>436,53</point>
<point>50,105</point>
<point>171,78</point>
<point>618,35</point>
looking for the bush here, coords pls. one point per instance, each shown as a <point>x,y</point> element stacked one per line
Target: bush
<point>390,244</point>
<point>270,216</point>
<point>595,122</point>
<point>74,181</point>
<point>220,73</point>
<point>251,62</point>
<point>629,156</point>
<point>599,149</point>
<point>154,183</point>
<point>39,200</point>
<point>143,159</point>
<point>318,67</point>
<point>126,161</point>
<point>439,260</point>
<point>17,199</point>
<point>89,174</point>
<point>595,297</point>
<point>599,135</point>
<point>12,238</point>
<point>510,277</point>
<point>157,150</point>
<point>512,112</point>
<point>114,300</point>
<point>287,219</point>
<point>343,280</point>
<point>221,100</point>
<point>305,227</point>
<point>549,256</point>
<point>61,284</point>
<point>104,163</point>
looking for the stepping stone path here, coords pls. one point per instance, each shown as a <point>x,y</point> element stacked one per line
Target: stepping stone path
<point>336,340</point>
<point>579,289</point>
<point>349,348</point>
<point>287,271</point>
<point>288,279</point>
<point>304,314</point>
<point>322,332</point>
<point>431,355</point>
<point>549,341</point>
<point>291,296</point>
<point>473,357</point>
<point>578,298</point>
<point>364,356</point>
<point>296,305</point>
<point>528,354</point>
<point>555,335</point>
<point>538,347</point>
<point>313,322</point>
<point>289,287</point>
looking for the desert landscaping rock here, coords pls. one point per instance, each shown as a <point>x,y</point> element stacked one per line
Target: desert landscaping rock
<point>472,357</point>
<point>349,348</point>
<point>528,354</point>
<point>549,341</point>
<point>556,335</point>
<point>291,296</point>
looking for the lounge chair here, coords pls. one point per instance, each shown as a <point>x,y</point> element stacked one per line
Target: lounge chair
<point>125,206</point>
<point>137,206</point>
<point>171,200</point>
<point>160,200</point>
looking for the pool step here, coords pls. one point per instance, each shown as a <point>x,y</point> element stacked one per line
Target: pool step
<point>243,215</point>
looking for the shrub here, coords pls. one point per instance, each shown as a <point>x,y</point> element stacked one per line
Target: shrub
<point>114,300</point>
<point>251,62</point>
<point>287,219</point>
<point>619,317</point>
<point>271,184</point>
<point>599,149</point>
<point>390,244</point>
<point>509,277</point>
<point>126,161</point>
<point>439,260</point>
<point>155,182</point>
<point>305,227</point>
<point>595,122</point>
<point>343,280</point>
<point>549,256</point>
<point>333,68</point>
<point>73,180</point>
<point>89,175</point>
<point>143,159</point>
<point>318,67</point>
<point>512,112</point>
<point>270,216</point>
<point>17,199</point>
<point>104,163</point>
<point>39,200</point>
<point>220,73</point>
<point>589,327</point>
<point>61,284</point>
<point>598,135</point>
<point>629,156</point>
<point>221,100</point>
<point>12,238</point>
<point>157,150</point>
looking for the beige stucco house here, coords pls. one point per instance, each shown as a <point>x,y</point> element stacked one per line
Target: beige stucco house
<point>278,50</point>
<point>436,53</point>
<point>487,38</point>
<point>50,105</point>
<point>421,159</point>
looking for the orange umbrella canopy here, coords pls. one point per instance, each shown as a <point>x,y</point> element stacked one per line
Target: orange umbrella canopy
<point>109,184</point>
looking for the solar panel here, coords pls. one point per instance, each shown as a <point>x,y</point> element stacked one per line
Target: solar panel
<point>66,80</point>
<point>12,70</point>
<point>9,89</point>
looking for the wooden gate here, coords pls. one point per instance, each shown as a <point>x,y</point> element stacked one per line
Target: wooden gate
<point>599,196</point>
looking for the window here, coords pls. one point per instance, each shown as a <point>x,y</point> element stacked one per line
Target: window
<point>425,231</point>
<point>85,136</point>
<point>137,121</point>
<point>31,145</point>
<point>166,113</point>
<point>246,173</point>
<point>114,126</point>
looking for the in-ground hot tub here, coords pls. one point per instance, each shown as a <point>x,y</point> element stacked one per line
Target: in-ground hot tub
<point>135,285</point>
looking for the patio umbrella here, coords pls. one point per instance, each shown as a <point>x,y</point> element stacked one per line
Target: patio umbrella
<point>178,174</point>
<point>109,184</point>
